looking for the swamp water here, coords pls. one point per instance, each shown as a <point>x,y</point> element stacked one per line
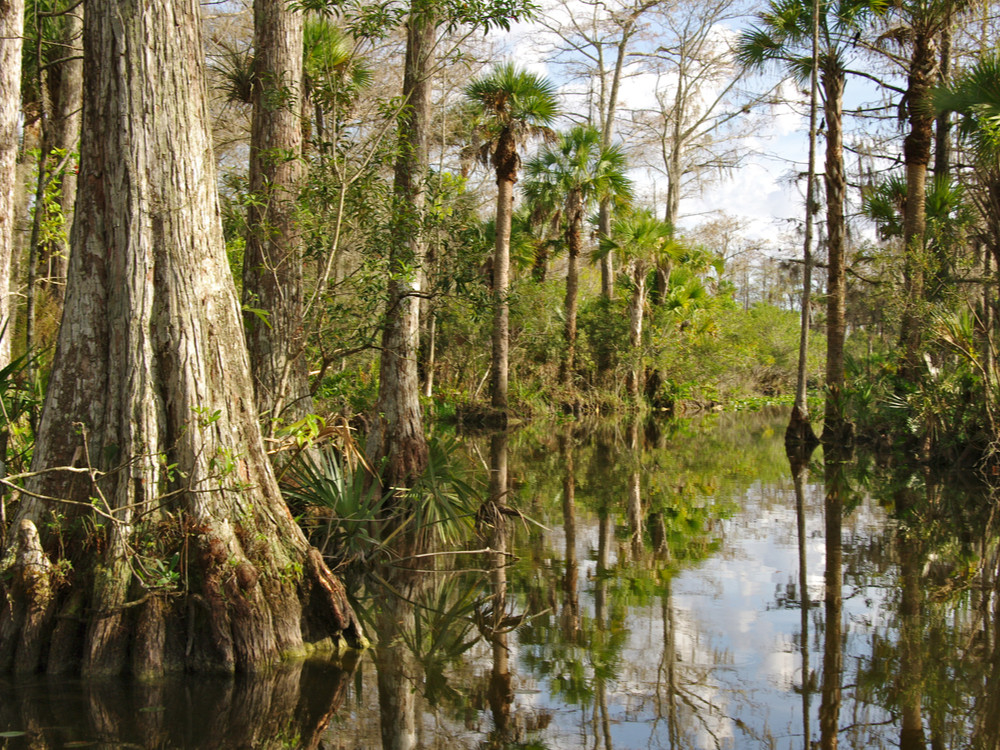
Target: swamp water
<point>673,586</point>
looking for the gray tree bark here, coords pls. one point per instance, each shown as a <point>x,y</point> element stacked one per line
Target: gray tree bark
<point>636,308</point>
<point>11,35</point>
<point>154,496</point>
<point>272,266</point>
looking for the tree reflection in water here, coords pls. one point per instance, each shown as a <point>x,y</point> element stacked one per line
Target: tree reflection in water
<point>834,465</point>
<point>799,465</point>
<point>654,594</point>
<point>291,707</point>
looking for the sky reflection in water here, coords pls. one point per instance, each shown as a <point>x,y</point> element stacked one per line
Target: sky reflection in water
<point>673,619</point>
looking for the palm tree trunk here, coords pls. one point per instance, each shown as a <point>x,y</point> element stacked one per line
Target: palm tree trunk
<point>799,435</point>
<point>833,652</point>
<point>836,291</point>
<point>501,289</point>
<point>573,243</point>
<point>916,154</point>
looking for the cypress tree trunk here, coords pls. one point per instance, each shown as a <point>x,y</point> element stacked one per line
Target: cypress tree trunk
<point>398,432</point>
<point>11,34</point>
<point>169,544</point>
<point>272,266</point>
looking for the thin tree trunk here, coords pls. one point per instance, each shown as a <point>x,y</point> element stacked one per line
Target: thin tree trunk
<point>637,306</point>
<point>501,290</point>
<point>192,560</point>
<point>272,266</point>
<point>799,435</point>
<point>62,134</point>
<point>398,672</point>
<point>633,508</point>
<point>11,35</point>
<point>909,682</point>
<point>571,596</point>
<point>799,468</point>
<point>430,355</point>
<point>501,694</point>
<point>942,131</point>
<point>573,243</point>
<point>607,132</point>
<point>398,432</point>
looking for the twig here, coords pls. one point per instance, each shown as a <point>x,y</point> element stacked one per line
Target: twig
<point>485,550</point>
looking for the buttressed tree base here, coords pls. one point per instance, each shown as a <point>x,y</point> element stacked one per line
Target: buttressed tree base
<point>154,537</point>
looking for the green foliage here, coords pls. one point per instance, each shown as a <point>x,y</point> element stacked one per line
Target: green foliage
<point>975,95</point>
<point>576,172</point>
<point>947,411</point>
<point>52,229</point>
<point>513,105</point>
<point>20,399</point>
<point>339,501</point>
<point>443,501</point>
<point>604,341</point>
<point>376,20</point>
<point>335,500</point>
<point>709,349</point>
<point>638,237</point>
<point>782,35</point>
<point>444,630</point>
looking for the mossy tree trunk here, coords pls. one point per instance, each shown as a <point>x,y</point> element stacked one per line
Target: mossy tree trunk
<point>397,435</point>
<point>62,133</point>
<point>169,543</point>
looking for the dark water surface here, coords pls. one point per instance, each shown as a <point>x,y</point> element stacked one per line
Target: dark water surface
<point>671,586</point>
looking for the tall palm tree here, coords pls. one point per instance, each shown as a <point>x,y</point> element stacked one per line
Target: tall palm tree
<point>513,105</point>
<point>915,26</point>
<point>565,180</point>
<point>641,242</point>
<point>784,35</point>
